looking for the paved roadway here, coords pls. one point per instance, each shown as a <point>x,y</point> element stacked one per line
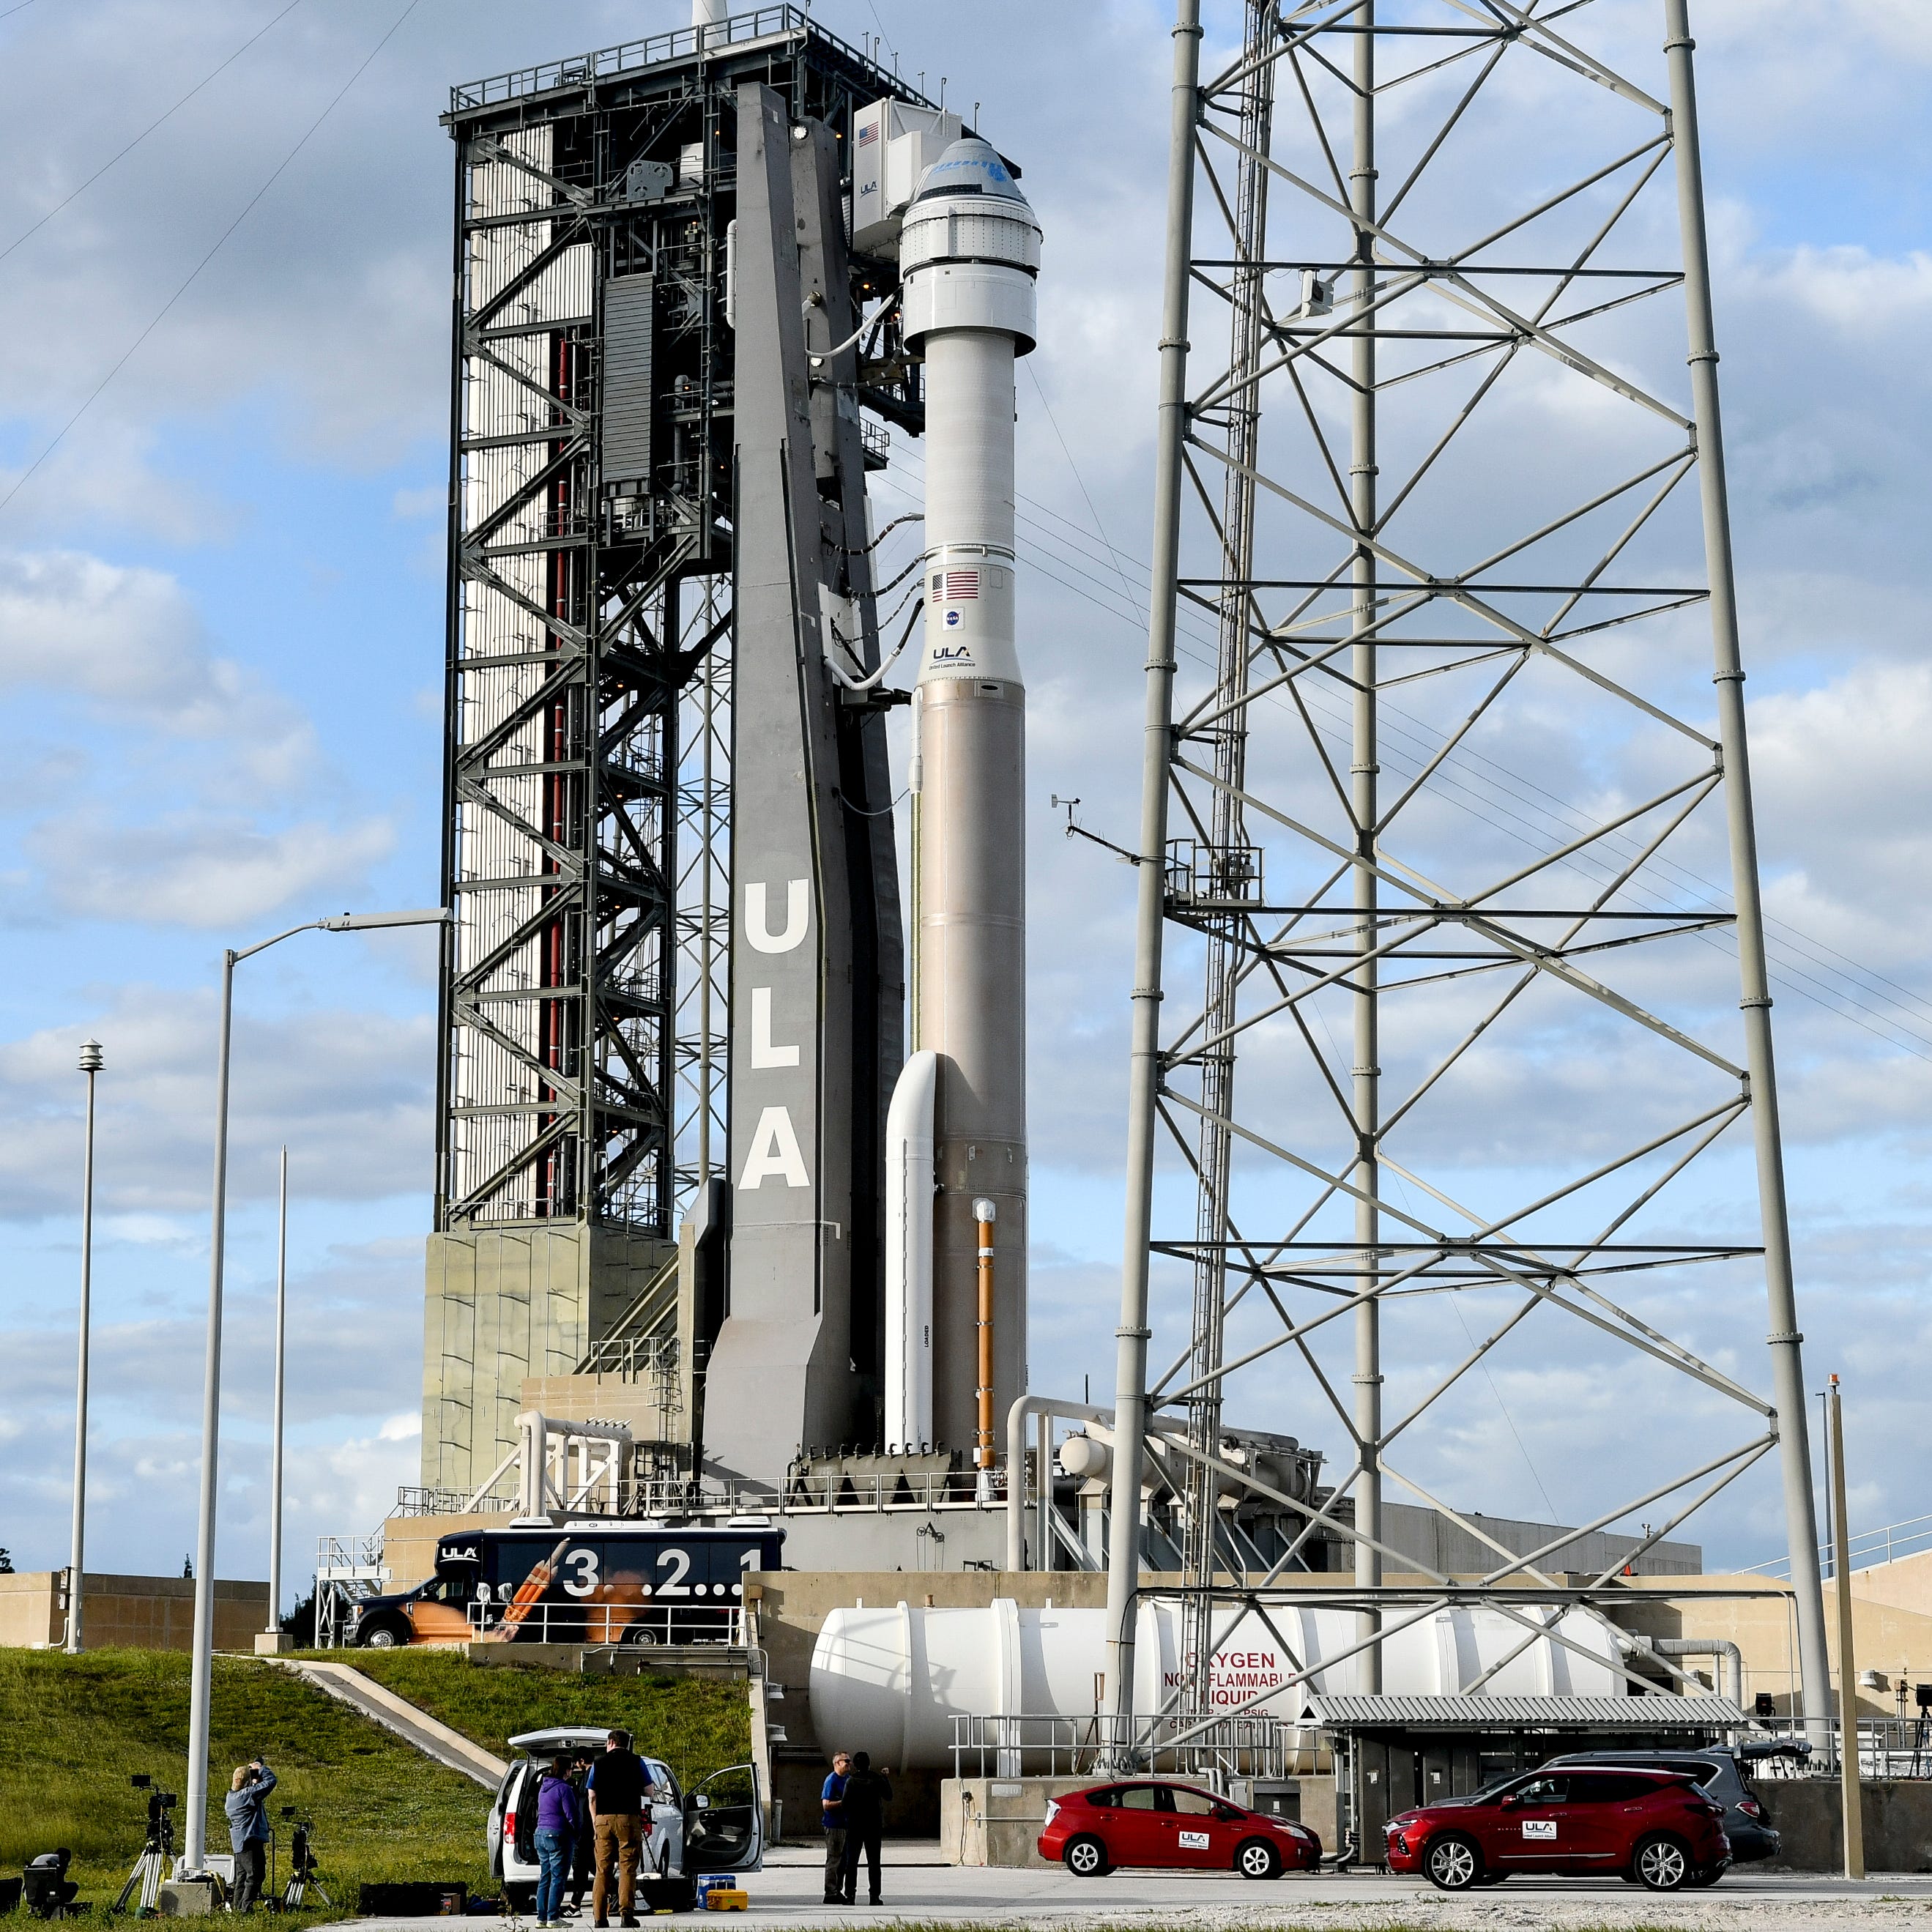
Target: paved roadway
<point>920,1889</point>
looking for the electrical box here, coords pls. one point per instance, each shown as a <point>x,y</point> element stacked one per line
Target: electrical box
<point>893,145</point>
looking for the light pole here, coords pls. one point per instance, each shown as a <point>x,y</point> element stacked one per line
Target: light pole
<point>90,1063</point>
<point>196,1834</point>
<point>275,1629</point>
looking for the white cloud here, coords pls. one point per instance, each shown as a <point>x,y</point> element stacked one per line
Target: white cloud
<point>198,870</point>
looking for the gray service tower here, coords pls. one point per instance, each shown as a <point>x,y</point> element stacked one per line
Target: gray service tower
<point>684,319</point>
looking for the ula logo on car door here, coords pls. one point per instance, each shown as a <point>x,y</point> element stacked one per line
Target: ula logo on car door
<point>1539,1828</point>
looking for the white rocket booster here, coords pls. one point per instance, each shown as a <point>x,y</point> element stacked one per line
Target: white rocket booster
<point>969,253</point>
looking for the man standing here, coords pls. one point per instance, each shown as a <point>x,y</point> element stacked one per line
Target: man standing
<point>246,1805</point>
<point>867,1794</point>
<point>616,1794</point>
<point>831,1806</point>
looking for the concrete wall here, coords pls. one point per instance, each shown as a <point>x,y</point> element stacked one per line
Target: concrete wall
<point>1885,1637</point>
<point>1809,1814</point>
<point>1426,1536</point>
<point>131,1612</point>
<point>505,1303</point>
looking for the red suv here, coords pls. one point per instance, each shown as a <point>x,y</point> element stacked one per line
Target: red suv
<point>1656,1828</point>
<point>1171,1825</point>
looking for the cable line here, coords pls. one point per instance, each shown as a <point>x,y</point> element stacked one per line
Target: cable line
<point>194,274</point>
<point>27,233</point>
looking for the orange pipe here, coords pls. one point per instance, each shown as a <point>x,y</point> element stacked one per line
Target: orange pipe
<point>983,1454</point>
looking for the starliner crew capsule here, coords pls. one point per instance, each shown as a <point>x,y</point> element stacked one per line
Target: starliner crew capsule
<point>969,255</point>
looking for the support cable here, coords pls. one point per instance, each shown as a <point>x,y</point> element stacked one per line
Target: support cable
<point>194,274</point>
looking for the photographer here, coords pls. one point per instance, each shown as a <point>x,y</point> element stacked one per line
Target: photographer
<point>246,1805</point>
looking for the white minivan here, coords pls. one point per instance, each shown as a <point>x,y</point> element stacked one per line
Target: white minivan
<point>717,1827</point>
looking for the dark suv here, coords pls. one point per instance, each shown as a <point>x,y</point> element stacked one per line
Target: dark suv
<point>1722,1773</point>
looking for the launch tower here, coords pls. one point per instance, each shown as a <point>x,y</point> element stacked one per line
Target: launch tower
<point>657,519</point>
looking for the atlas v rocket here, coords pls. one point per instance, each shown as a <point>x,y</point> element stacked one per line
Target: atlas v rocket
<point>955,1135</point>
<point>845,1327</point>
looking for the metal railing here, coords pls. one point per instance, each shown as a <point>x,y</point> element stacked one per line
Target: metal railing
<point>615,1623</point>
<point>682,43</point>
<point>1177,1743</point>
<point>1869,1547</point>
<point>842,1492</point>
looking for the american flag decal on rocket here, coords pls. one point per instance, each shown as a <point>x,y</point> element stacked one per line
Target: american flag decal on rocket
<point>961,584</point>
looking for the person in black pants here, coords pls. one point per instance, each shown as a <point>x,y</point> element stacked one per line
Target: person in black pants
<point>868,1792</point>
<point>584,1854</point>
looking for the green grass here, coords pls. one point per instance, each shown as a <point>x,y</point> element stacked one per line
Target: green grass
<point>695,1725</point>
<point>76,1728</point>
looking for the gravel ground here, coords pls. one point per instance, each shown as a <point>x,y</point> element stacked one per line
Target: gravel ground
<point>920,1891</point>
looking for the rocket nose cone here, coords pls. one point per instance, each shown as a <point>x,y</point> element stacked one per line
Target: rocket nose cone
<point>970,166</point>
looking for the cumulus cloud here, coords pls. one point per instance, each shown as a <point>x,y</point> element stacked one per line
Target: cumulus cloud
<point>356,1084</point>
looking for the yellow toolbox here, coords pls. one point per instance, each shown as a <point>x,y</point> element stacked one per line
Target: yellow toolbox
<point>720,1899</point>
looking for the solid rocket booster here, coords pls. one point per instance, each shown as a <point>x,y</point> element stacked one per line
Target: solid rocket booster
<point>969,253</point>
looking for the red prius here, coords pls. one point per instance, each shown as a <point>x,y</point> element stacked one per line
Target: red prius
<point>1172,1827</point>
<point>1652,1826</point>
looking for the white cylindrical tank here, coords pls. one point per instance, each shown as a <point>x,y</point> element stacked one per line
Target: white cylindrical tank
<point>890,1680</point>
<point>969,252</point>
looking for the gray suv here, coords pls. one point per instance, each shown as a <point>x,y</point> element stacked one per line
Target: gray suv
<point>1723,1772</point>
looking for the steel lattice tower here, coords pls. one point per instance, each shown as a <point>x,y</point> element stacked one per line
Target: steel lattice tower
<point>1440,461</point>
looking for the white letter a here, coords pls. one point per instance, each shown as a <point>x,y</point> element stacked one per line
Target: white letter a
<point>774,1150</point>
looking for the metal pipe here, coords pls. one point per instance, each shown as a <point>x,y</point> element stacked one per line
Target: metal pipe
<point>1849,1796</point>
<point>1730,1682</point>
<point>1016,1422</point>
<point>1784,1340</point>
<point>195,1796</point>
<point>1364,767</point>
<point>984,1212</point>
<point>1123,1551</point>
<point>90,1063</point>
<point>281,1391</point>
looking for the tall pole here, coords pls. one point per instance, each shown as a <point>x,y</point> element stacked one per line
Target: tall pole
<point>1784,1340</point>
<point>90,1063</point>
<point>195,1798</point>
<point>281,1389</point>
<point>1124,1551</point>
<point>1364,765</point>
<point>1848,1675</point>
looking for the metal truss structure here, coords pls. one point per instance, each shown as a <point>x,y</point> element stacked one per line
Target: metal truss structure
<point>1445,502</point>
<point>587,820</point>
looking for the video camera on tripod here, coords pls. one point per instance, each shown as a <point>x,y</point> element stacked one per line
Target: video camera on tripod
<point>303,1863</point>
<point>157,1850</point>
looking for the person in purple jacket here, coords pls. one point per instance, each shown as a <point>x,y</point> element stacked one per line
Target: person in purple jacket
<point>560,1822</point>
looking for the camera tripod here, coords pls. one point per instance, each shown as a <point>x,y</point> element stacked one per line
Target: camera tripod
<point>157,1855</point>
<point>302,1869</point>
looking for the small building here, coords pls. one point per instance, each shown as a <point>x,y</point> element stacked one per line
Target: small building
<point>1393,1753</point>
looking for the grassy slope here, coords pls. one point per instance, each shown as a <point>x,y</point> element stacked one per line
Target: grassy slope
<point>77,1727</point>
<point>694,1725</point>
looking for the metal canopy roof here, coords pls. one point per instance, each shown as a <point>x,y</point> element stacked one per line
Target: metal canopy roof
<point>1526,1713</point>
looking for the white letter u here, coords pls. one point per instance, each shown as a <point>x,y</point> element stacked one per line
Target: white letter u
<point>798,916</point>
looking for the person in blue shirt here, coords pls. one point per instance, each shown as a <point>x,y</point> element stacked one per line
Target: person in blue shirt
<point>246,1805</point>
<point>832,1807</point>
<point>560,1821</point>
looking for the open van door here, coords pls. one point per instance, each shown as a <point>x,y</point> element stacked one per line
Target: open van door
<point>724,1823</point>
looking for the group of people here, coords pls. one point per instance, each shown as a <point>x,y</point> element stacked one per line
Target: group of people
<point>853,1801</point>
<point>591,1811</point>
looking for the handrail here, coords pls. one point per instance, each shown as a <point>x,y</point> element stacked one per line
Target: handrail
<point>680,43</point>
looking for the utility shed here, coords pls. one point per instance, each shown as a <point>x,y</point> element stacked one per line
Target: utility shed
<point>1394,1752</point>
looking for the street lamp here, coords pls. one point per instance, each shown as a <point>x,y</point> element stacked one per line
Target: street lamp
<point>194,1859</point>
<point>90,1063</point>
<point>275,1629</point>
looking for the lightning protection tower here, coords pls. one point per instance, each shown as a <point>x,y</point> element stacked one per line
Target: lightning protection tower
<point>1455,1052</point>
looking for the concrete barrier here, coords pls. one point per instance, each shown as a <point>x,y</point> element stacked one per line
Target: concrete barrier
<point>1810,1819</point>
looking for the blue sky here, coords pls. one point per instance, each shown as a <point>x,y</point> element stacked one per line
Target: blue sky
<point>220,643</point>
